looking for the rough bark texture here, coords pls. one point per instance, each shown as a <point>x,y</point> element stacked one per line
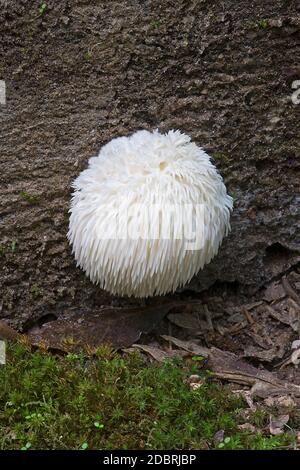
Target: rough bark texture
<point>83,72</point>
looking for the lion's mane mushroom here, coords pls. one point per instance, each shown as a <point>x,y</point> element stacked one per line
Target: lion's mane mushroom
<point>147,214</point>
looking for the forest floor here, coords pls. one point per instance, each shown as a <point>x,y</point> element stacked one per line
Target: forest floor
<point>214,373</point>
<point>113,402</point>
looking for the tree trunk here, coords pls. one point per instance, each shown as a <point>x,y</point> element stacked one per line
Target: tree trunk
<point>79,73</point>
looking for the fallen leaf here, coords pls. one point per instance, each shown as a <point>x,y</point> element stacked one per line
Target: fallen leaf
<point>228,366</point>
<point>247,427</point>
<point>185,320</point>
<point>264,389</point>
<point>219,436</point>
<point>252,305</point>
<point>277,424</point>
<point>235,317</point>
<point>274,291</point>
<point>195,386</point>
<point>265,356</point>
<point>278,350</point>
<point>264,342</point>
<point>195,382</point>
<point>194,378</point>
<point>158,354</point>
<point>119,327</point>
<point>189,346</point>
<point>283,401</point>
<point>8,333</point>
<point>295,358</point>
<point>282,316</point>
<point>295,344</point>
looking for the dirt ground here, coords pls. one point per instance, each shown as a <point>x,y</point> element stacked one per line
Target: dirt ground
<point>80,73</point>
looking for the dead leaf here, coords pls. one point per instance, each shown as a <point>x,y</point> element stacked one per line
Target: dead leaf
<point>252,305</point>
<point>264,356</point>
<point>228,366</point>
<point>264,342</point>
<point>194,379</point>
<point>200,320</point>
<point>247,427</point>
<point>295,358</point>
<point>195,386</point>
<point>283,401</point>
<point>8,333</point>
<point>158,354</point>
<point>263,389</point>
<point>296,344</point>
<point>185,320</point>
<point>195,382</point>
<point>234,329</point>
<point>277,424</point>
<point>283,316</point>
<point>274,291</point>
<point>219,436</point>
<point>189,346</point>
<point>119,327</point>
<point>235,317</point>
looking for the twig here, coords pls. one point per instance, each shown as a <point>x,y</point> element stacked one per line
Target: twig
<point>253,305</point>
<point>248,316</point>
<point>236,328</point>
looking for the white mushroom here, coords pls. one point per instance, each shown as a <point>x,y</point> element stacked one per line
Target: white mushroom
<point>147,214</point>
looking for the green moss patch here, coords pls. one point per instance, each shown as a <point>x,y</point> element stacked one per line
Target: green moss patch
<point>115,402</point>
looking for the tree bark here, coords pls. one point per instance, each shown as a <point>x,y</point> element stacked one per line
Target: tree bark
<point>80,73</point>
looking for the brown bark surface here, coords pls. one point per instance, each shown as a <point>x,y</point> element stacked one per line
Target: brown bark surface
<point>83,72</point>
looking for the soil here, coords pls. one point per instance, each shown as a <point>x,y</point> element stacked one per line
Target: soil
<point>79,73</point>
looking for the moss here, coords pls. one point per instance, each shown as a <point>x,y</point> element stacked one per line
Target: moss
<point>87,56</point>
<point>2,250</point>
<point>234,195</point>
<point>36,291</point>
<point>222,157</point>
<point>110,401</point>
<point>31,199</point>
<point>13,245</point>
<point>155,24</point>
<point>42,8</point>
<point>262,24</point>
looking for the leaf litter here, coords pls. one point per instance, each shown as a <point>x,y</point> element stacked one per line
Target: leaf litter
<point>236,339</point>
